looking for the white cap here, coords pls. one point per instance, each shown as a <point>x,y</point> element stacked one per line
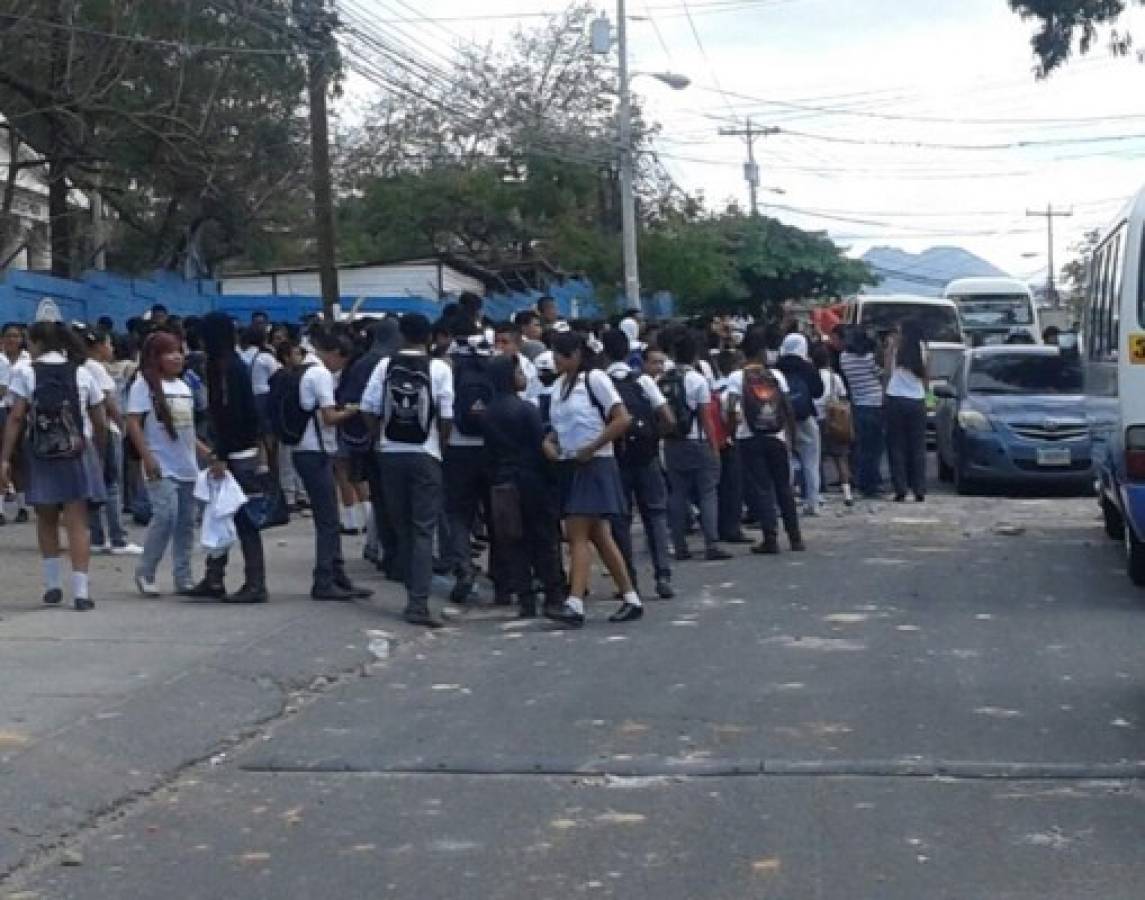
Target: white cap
<point>794,345</point>
<point>48,311</point>
<point>631,329</point>
<point>545,362</point>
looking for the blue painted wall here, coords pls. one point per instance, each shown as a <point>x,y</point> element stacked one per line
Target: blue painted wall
<point>99,294</point>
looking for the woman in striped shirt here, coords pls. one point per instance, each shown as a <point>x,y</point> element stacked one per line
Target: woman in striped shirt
<point>865,385</point>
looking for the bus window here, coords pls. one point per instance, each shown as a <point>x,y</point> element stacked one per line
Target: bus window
<point>1115,300</point>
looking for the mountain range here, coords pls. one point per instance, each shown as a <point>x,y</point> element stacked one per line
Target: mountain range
<point>926,273</point>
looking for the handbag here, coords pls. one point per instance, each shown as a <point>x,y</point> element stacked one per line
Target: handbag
<point>266,505</point>
<point>838,421</point>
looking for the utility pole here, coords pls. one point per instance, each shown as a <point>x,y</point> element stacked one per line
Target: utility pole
<point>312,18</point>
<point>1051,280</point>
<point>751,168</point>
<point>627,176</point>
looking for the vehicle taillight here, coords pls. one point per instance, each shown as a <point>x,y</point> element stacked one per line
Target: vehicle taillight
<point>1135,452</point>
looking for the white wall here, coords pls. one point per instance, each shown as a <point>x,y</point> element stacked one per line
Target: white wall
<point>413,280</point>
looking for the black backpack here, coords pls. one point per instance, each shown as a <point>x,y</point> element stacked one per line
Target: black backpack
<point>354,432</point>
<point>764,411</point>
<point>407,400</point>
<point>800,396</point>
<point>672,384</point>
<point>288,420</point>
<point>55,414</point>
<point>472,392</point>
<point>641,443</point>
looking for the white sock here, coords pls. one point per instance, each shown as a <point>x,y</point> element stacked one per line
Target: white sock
<point>846,492</point>
<point>348,517</point>
<point>51,570</point>
<point>79,585</point>
<point>632,599</point>
<point>576,605</point>
<point>365,513</point>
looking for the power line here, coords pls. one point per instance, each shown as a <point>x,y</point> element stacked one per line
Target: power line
<point>704,54</point>
<point>928,145</point>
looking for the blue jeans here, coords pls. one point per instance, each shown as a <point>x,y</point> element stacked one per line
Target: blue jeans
<point>647,492</point>
<point>869,445</point>
<point>113,480</point>
<point>693,476</point>
<point>172,522</point>
<point>316,470</point>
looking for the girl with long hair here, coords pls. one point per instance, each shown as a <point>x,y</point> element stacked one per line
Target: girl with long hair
<point>588,417</point>
<point>906,412</point>
<point>161,426</point>
<point>64,442</point>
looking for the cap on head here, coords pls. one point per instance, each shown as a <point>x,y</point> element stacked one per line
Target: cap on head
<point>794,345</point>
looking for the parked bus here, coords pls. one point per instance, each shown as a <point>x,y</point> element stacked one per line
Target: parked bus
<point>1113,352</point>
<point>994,310</point>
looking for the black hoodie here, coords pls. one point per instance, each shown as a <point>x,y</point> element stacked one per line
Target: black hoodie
<point>513,430</point>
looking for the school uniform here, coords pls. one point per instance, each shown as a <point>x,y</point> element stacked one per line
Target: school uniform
<point>60,481</point>
<point>693,471</point>
<point>578,415</point>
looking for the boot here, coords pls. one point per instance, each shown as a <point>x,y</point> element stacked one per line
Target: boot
<point>769,546</point>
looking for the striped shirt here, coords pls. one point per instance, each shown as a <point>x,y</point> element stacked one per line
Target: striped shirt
<point>863,379</point>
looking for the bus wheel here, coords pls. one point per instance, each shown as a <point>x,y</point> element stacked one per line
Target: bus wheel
<point>1111,515</point>
<point>1134,556</point>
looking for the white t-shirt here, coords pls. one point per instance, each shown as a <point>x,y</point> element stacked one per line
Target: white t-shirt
<point>533,384</point>
<point>577,419</point>
<point>441,386</point>
<point>247,354</point>
<point>697,394</point>
<point>655,396</point>
<point>106,384</point>
<point>735,389</point>
<point>316,392</point>
<point>262,367</point>
<point>904,383</point>
<point>176,457</point>
<point>22,384</point>
<point>6,367</point>
<point>835,389</point>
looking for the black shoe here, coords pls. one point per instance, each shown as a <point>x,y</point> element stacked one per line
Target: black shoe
<point>627,613</point>
<point>53,597</point>
<point>900,498</point>
<point>206,590</point>
<point>349,532</point>
<point>797,545</point>
<point>422,617</point>
<point>462,590</point>
<point>358,593</point>
<point>920,498</point>
<point>564,615</point>
<point>247,594</point>
<point>769,546</point>
<point>22,516</point>
<point>683,555</point>
<point>528,608</point>
<point>717,554</point>
<point>664,589</point>
<point>331,592</point>
<point>3,520</point>
<point>83,604</point>
<point>737,539</point>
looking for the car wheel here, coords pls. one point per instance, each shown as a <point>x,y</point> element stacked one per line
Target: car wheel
<point>1134,557</point>
<point>1114,523</point>
<point>945,471</point>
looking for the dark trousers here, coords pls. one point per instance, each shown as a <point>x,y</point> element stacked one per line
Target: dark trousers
<point>647,492</point>
<point>413,490</point>
<point>766,467</point>
<point>730,495</point>
<point>387,535</point>
<point>317,473</point>
<point>693,476</point>
<point>537,556</point>
<point>906,444</point>
<point>467,483</point>
<point>250,538</point>
<point>869,445</point>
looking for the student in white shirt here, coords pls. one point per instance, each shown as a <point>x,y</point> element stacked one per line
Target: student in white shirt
<point>314,462</point>
<point>587,419</point>
<point>906,412</point>
<point>764,429</point>
<point>410,396</point>
<point>62,456</point>
<point>691,457</point>
<point>12,354</point>
<point>161,425</point>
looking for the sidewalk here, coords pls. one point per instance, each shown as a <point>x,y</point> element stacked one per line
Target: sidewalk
<point>102,707</point>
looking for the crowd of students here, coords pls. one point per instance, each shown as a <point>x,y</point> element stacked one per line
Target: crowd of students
<point>440,439</point>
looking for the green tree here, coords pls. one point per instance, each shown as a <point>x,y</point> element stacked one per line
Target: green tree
<point>1065,24</point>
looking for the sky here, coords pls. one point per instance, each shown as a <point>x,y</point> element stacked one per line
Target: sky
<point>902,124</point>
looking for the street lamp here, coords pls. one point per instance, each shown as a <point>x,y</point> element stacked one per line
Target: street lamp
<point>601,43</point>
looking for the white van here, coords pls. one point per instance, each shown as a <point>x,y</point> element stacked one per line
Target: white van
<point>995,309</point>
<point>1113,354</point>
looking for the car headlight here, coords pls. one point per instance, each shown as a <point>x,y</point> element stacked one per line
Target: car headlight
<point>972,420</point>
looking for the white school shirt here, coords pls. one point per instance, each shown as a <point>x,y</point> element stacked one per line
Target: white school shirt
<point>6,367</point>
<point>697,394</point>
<point>620,370</point>
<point>576,419</point>
<point>316,392</point>
<point>176,457</point>
<point>835,390</point>
<point>441,387</point>
<point>247,355</point>
<point>735,389</point>
<point>22,384</point>
<point>106,384</point>
<point>533,386</point>
<point>262,367</point>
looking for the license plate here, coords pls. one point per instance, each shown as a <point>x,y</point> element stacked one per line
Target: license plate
<point>1054,456</point>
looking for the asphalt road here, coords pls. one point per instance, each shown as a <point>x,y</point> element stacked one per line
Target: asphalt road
<point>940,700</point>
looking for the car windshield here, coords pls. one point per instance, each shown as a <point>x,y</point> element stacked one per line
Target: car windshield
<point>995,310</point>
<point>938,323</point>
<point>1005,373</point>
